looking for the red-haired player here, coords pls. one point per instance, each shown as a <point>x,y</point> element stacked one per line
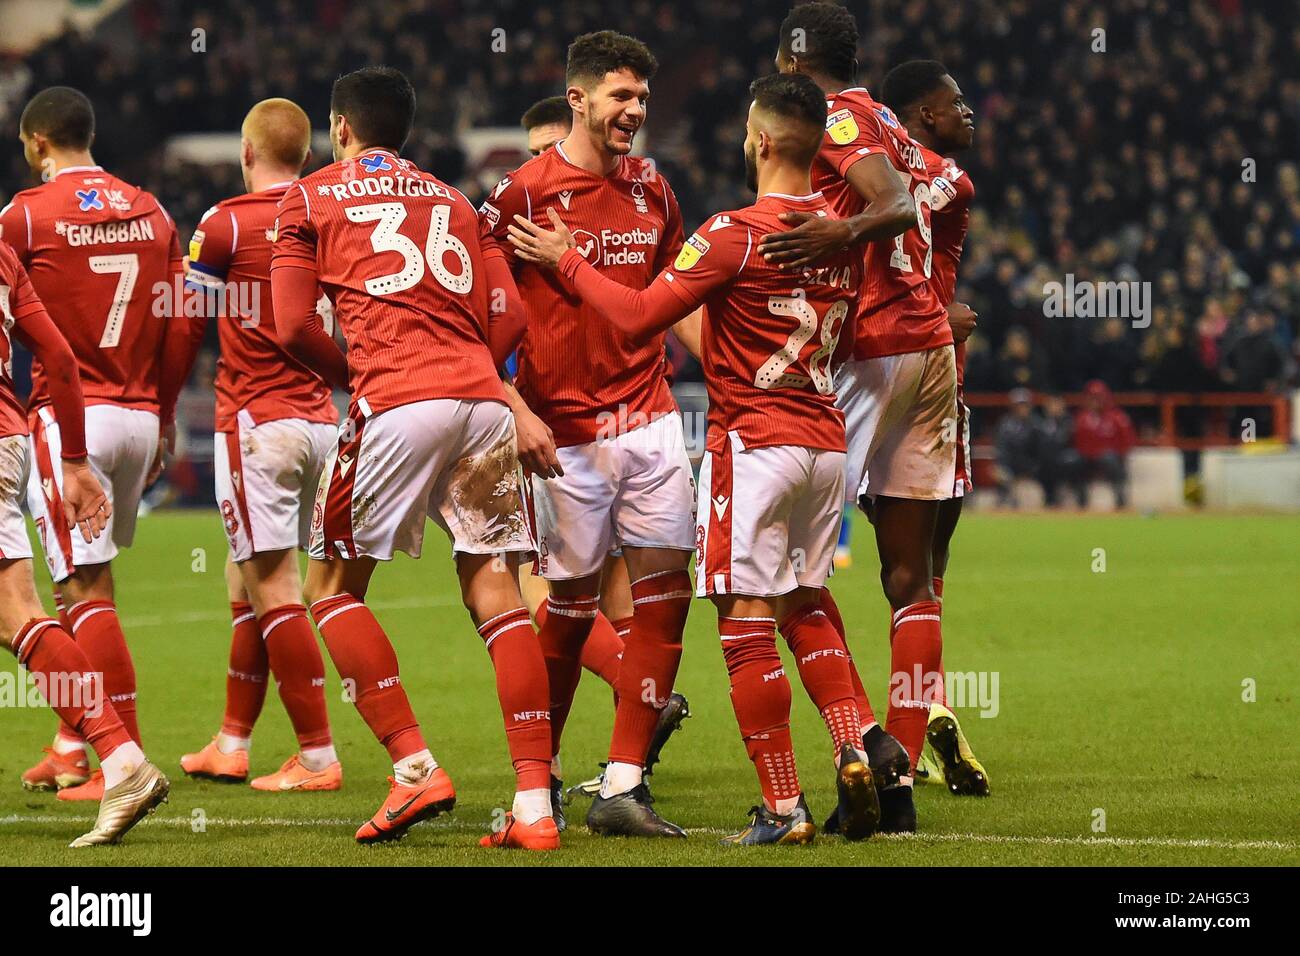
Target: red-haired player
<point>428,435</point>
<point>103,256</point>
<point>133,786</point>
<point>772,481</point>
<point>276,423</point>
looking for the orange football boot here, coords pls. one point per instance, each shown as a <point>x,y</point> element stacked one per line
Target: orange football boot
<point>58,770</point>
<point>542,835</point>
<point>211,764</point>
<point>293,775</point>
<point>407,806</point>
<point>92,789</point>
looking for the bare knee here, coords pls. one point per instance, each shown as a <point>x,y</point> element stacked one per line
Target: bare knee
<point>904,585</point>
<point>90,582</point>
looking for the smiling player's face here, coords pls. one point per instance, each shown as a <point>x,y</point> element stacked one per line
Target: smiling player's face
<point>616,108</point>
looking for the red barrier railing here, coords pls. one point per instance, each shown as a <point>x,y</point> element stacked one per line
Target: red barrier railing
<point>1217,433</point>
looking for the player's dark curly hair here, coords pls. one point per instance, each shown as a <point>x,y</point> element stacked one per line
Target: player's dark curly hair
<point>62,115</point>
<point>592,55</point>
<point>824,36</point>
<point>553,109</point>
<point>379,104</point>
<point>909,83</point>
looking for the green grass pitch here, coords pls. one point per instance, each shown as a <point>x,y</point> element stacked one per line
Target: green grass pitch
<point>1120,693</point>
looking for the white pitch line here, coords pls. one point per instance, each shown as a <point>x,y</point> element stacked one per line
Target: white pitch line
<point>1167,842</point>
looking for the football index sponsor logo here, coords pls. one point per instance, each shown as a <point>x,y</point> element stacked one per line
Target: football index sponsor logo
<point>588,245</point>
<point>76,909</point>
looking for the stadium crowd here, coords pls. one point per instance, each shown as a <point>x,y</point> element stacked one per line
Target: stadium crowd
<point>1139,161</point>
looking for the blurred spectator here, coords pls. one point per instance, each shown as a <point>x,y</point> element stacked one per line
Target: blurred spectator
<point>1103,437</point>
<point>1019,365</point>
<point>1019,444</point>
<point>1061,463</point>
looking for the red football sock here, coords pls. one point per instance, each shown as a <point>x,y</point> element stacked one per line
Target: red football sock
<point>46,650</point>
<point>823,665</point>
<point>98,633</point>
<point>299,671</point>
<point>66,733</point>
<point>622,627</point>
<point>562,630</point>
<point>521,689</point>
<point>367,663</point>
<point>246,675</point>
<point>650,659</point>
<point>941,691</point>
<point>603,652</point>
<point>916,646</point>
<point>832,611</point>
<point>760,696</point>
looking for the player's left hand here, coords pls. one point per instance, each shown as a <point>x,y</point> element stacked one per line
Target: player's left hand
<point>813,239</point>
<point>541,246</point>
<point>961,318</point>
<point>166,448</point>
<point>85,505</point>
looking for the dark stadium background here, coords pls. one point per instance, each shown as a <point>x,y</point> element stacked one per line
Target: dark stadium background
<point>1123,165</point>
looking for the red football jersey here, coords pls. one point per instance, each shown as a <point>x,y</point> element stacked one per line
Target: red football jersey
<point>899,311</point>
<point>770,337</point>
<point>397,252</point>
<point>582,377</point>
<point>951,194</point>
<point>101,254</point>
<point>230,259</point>
<point>18,304</point>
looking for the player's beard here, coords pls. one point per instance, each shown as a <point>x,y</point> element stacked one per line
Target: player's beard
<point>601,132</point>
<point>751,169</point>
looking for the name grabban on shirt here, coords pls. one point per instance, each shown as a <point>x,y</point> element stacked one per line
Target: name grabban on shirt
<point>103,233</point>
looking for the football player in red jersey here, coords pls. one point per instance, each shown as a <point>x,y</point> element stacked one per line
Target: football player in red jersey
<point>598,427</point>
<point>133,786</point>
<point>103,256</point>
<point>772,481</point>
<point>547,122</point>
<point>898,392</point>
<point>275,425</point>
<point>930,104</point>
<point>428,434</point>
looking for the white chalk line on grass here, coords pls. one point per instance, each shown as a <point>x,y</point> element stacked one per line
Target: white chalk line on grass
<point>1165,842</point>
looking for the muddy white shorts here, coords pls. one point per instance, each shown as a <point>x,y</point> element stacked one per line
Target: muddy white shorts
<point>267,476</point>
<point>900,412</point>
<point>964,480</point>
<point>15,461</point>
<point>768,519</point>
<point>630,490</point>
<point>451,460</point>
<point>121,444</point>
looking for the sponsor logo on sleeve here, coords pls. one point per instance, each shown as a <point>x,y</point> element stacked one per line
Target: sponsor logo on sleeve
<point>692,249</point>
<point>196,244</point>
<point>842,127</point>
